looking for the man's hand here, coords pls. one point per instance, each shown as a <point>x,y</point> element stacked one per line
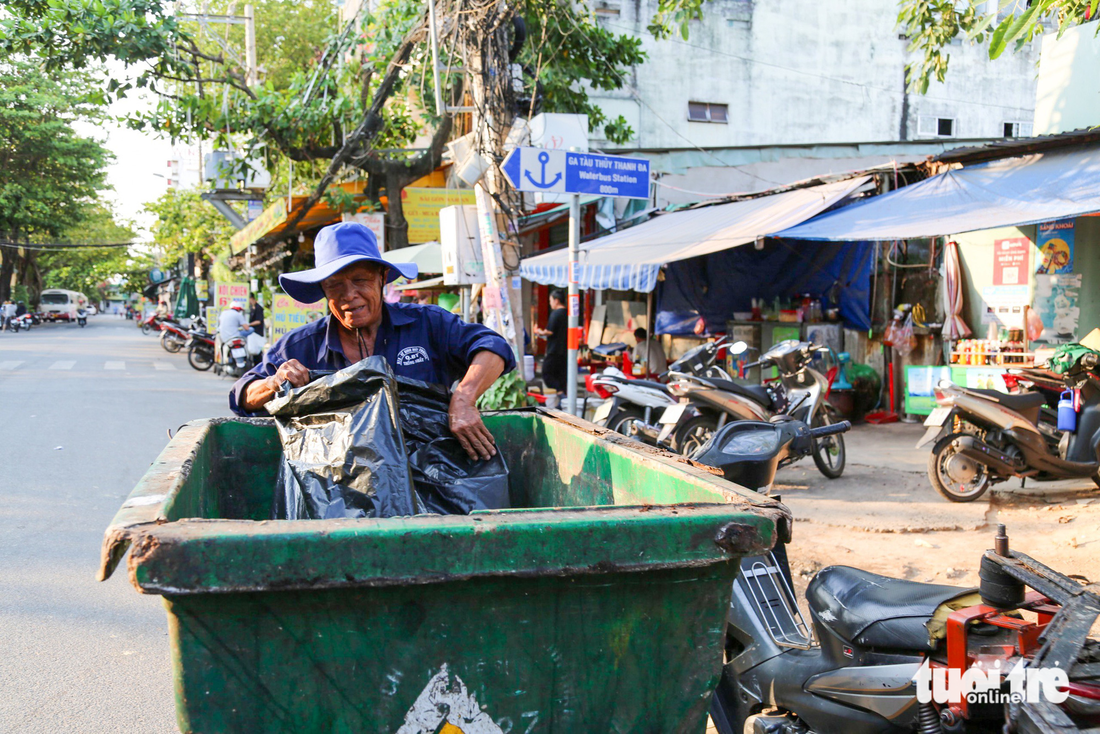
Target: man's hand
<point>291,371</point>
<point>259,392</point>
<point>468,428</point>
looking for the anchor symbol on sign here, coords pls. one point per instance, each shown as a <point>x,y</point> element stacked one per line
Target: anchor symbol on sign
<point>544,158</point>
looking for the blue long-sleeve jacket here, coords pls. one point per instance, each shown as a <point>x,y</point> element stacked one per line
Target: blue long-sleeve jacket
<point>422,342</point>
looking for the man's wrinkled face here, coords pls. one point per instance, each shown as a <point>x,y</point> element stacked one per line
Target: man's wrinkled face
<point>354,295</point>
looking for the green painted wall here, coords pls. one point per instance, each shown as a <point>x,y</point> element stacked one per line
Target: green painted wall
<point>976,258</point>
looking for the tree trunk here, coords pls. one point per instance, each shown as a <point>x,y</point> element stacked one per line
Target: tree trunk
<point>397,227</point>
<point>7,270</point>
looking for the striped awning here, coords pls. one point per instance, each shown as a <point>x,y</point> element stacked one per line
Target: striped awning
<point>630,259</point>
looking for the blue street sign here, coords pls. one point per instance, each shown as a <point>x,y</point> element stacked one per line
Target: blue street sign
<point>566,172</point>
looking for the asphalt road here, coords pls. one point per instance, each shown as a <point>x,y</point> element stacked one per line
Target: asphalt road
<point>83,412</point>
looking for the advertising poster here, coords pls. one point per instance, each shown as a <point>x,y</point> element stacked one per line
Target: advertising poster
<point>919,382</point>
<point>1055,247</point>
<point>1011,261</point>
<point>224,295</point>
<point>1004,304</point>
<point>287,314</point>
<point>1056,304</point>
<point>202,290</point>
<point>374,221</point>
<point>421,207</point>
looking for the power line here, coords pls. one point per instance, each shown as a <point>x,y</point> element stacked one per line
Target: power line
<point>68,245</point>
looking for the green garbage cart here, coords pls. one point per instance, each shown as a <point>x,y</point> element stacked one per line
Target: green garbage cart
<point>598,604</point>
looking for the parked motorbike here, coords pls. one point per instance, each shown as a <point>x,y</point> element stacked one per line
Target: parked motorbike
<point>627,400</point>
<point>632,406</point>
<point>983,437</point>
<point>872,639</point>
<point>173,337</point>
<point>200,349</point>
<point>707,403</point>
<point>82,317</point>
<point>153,322</point>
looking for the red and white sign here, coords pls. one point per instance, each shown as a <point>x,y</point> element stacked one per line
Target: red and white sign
<point>1011,261</point>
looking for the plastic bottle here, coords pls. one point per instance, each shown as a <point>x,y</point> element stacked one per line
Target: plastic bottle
<point>1067,416</point>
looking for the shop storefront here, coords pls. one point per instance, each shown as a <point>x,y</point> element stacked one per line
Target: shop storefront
<point>1028,256</point>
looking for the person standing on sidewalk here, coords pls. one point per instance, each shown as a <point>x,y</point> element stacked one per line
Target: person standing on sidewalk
<point>555,368</point>
<point>255,314</point>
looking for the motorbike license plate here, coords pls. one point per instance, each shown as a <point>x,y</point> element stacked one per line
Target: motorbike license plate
<point>937,417</point>
<point>237,352</point>
<point>672,414</point>
<point>603,412</point>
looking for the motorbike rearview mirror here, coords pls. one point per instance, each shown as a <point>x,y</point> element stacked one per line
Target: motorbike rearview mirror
<point>738,348</point>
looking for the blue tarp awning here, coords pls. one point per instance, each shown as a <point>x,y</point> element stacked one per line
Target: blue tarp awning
<point>1006,193</point>
<point>630,259</point>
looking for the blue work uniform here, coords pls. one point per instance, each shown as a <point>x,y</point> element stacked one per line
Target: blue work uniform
<point>421,342</point>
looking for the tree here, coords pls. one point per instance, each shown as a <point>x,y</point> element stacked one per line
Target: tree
<point>91,270</point>
<point>49,175</point>
<point>932,24</point>
<point>187,225</point>
<point>352,90</point>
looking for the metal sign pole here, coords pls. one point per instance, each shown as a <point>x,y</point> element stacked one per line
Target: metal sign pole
<point>574,303</point>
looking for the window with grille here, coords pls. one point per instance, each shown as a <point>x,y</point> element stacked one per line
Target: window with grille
<point>1017,129</point>
<point>708,112</point>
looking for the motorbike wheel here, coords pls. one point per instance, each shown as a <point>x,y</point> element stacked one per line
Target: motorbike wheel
<point>623,421</point>
<point>200,359</point>
<point>146,329</point>
<point>829,453</point>
<point>940,467</point>
<point>695,433</point>
<point>170,342</point>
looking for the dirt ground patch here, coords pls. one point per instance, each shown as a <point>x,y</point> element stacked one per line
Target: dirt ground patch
<point>882,515</point>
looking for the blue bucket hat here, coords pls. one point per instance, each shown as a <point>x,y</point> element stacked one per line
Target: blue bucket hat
<point>336,247</point>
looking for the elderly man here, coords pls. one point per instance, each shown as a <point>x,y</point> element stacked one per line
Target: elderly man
<point>421,342</point>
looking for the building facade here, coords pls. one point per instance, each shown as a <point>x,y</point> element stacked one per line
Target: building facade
<point>766,93</point>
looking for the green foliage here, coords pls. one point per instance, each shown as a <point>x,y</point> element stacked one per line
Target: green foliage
<point>508,392</point>
<point>49,175</point>
<point>932,24</point>
<point>675,15</point>
<point>187,224</point>
<point>91,269</point>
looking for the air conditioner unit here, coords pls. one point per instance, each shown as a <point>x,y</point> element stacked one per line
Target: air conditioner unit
<point>460,243</point>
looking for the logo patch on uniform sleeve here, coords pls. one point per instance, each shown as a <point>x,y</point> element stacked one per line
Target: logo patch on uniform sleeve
<point>412,355</point>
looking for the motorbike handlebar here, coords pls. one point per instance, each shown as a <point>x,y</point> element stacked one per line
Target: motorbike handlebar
<point>830,430</point>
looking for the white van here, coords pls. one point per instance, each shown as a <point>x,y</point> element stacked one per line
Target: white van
<point>58,304</point>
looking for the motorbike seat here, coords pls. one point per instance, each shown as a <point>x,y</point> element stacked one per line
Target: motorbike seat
<point>1028,404</point>
<point>642,383</point>
<point>870,610</point>
<point>756,393</point>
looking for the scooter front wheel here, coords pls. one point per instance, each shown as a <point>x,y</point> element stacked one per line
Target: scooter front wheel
<point>694,434</point>
<point>146,329</point>
<point>956,477</point>
<point>829,453</point>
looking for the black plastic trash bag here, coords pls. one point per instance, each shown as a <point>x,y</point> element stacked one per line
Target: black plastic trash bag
<point>360,443</point>
<point>343,453</point>
<point>447,480</point>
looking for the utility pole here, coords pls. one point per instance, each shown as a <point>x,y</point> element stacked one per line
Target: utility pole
<point>501,299</point>
<point>252,76</point>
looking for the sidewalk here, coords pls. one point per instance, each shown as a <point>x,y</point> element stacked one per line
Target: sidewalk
<point>884,516</point>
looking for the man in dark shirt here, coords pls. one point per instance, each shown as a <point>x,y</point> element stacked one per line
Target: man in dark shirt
<point>555,368</point>
<point>420,342</point>
<point>255,314</point>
